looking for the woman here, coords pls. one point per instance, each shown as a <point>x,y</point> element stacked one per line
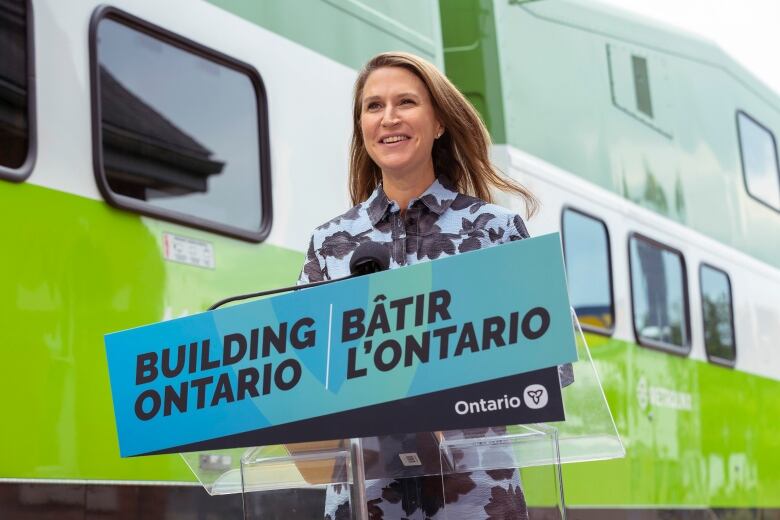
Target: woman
<point>420,179</point>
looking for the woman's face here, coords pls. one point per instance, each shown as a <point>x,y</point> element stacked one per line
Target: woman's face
<point>398,121</point>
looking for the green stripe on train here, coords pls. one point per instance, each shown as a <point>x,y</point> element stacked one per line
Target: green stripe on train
<point>73,270</point>
<point>696,434</point>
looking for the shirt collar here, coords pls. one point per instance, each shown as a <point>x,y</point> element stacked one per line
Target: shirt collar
<point>437,198</point>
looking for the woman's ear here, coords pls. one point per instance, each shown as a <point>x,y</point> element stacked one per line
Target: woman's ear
<point>439,131</point>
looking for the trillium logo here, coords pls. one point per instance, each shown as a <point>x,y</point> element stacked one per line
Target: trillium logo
<point>535,396</point>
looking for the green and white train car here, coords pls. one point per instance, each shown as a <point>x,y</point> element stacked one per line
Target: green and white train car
<point>158,156</point>
<point>656,155</point>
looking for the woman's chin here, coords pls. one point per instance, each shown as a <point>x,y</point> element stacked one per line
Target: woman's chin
<point>398,167</point>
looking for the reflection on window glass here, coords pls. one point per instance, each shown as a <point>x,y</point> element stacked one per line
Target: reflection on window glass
<point>14,130</point>
<point>759,161</point>
<point>658,291</point>
<point>586,246</point>
<point>716,310</point>
<point>179,131</point>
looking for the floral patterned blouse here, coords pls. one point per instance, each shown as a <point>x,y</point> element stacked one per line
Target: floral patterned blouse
<point>441,222</point>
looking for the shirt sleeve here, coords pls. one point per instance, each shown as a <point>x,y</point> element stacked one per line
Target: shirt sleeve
<point>314,268</point>
<point>515,229</point>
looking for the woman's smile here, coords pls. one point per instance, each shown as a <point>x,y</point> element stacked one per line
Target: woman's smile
<point>394,139</point>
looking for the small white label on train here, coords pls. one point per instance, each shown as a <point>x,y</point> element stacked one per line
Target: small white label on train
<point>189,251</point>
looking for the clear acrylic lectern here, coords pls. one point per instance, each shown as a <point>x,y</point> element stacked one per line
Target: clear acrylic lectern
<point>289,481</point>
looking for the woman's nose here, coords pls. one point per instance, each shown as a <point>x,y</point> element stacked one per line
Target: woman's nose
<point>389,117</point>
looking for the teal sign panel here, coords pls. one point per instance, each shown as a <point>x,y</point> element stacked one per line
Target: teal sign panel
<point>450,337</point>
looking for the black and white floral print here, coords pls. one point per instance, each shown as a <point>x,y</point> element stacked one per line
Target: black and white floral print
<point>489,495</point>
<point>441,222</point>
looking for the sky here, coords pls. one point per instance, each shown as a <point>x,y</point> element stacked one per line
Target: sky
<point>749,30</point>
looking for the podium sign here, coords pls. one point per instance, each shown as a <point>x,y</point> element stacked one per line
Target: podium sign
<point>461,342</point>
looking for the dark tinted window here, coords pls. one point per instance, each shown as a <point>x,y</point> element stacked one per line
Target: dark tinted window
<point>717,313</point>
<point>586,247</point>
<point>182,130</point>
<point>759,160</point>
<point>14,92</point>
<point>642,85</point>
<point>659,295</point>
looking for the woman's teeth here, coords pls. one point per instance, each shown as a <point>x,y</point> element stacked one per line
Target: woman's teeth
<point>394,139</point>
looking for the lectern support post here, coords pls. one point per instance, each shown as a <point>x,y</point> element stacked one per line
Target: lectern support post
<point>358,466</point>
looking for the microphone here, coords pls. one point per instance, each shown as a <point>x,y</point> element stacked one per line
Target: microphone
<point>369,257</point>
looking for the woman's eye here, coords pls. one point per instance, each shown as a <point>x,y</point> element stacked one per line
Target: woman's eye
<point>407,101</point>
<point>372,106</point>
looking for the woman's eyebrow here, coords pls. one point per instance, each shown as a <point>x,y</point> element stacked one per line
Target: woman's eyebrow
<point>402,94</point>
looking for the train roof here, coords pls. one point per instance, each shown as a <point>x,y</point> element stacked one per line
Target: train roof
<point>614,22</point>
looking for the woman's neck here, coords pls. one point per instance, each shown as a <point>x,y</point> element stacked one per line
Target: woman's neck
<point>402,188</point>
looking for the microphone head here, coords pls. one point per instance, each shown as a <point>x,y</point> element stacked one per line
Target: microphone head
<point>369,257</point>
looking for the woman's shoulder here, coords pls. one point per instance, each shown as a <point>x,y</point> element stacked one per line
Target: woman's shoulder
<point>488,214</point>
<point>352,219</point>
<point>337,238</point>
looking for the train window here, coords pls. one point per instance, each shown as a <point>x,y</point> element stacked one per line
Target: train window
<point>642,85</point>
<point>717,312</point>
<point>588,270</point>
<point>639,86</point>
<point>181,129</point>
<point>760,168</point>
<point>659,295</point>
<point>15,89</point>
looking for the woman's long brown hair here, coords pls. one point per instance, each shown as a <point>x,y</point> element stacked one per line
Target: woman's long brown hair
<point>461,153</point>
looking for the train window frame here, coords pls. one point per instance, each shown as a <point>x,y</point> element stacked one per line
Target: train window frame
<point>685,349</point>
<point>124,202</point>
<point>23,172</point>
<point>589,328</point>
<point>742,156</point>
<point>731,363</point>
